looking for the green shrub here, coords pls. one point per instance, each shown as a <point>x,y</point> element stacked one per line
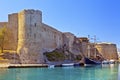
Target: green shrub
<point>78,57</point>
<point>55,56</point>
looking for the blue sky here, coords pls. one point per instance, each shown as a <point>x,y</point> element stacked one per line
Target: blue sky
<point>80,17</point>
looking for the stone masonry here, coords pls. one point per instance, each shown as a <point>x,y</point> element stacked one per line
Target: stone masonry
<point>30,37</point>
<point>107,50</point>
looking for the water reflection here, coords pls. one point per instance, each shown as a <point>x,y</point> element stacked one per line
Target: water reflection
<point>119,72</point>
<point>104,72</point>
<point>112,70</point>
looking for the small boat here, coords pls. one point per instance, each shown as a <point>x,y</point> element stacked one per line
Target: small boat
<point>105,62</point>
<point>91,62</point>
<point>67,64</point>
<point>76,64</point>
<point>112,61</point>
<point>51,66</point>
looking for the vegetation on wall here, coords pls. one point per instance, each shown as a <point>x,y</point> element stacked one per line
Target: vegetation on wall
<point>78,57</point>
<point>54,56</point>
<point>59,55</point>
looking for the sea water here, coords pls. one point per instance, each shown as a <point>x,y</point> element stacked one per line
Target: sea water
<point>101,72</point>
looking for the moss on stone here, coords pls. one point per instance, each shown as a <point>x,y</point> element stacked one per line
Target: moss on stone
<point>78,57</point>
<point>55,56</point>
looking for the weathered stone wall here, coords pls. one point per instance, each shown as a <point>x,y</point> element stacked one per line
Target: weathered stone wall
<point>13,31</point>
<point>3,24</point>
<point>77,47</point>
<point>28,44</point>
<point>108,50</point>
<point>8,36</point>
<point>34,37</point>
<point>50,37</point>
<point>84,46</point>
<point>68,39</point>
<point>31,38</point>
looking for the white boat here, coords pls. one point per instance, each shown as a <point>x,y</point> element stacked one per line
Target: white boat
<point>105,62</point>
<point>67,64</point>
<point>51,66</point>
<point>111,61</point>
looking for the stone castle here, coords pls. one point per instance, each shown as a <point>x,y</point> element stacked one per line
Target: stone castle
<point>30,37</point>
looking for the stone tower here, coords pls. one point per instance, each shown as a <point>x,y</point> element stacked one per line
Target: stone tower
<point>13,27</point>
<point>107,50</point>
<point>29,22</point>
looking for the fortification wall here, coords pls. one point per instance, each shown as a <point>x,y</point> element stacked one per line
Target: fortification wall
<point>13,31</point>
<point>108,50</point>
<point>31,38</point>
<point>68,40</point>
<point>34,37</point>
<point>85,45</point>
<point>28,46</point>
<point>11,35</point>
<point>3,24</point>
<point>51,38</point>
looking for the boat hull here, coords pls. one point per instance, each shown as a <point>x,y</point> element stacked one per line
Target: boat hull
<point>91,62</point>
<point>68,64</point>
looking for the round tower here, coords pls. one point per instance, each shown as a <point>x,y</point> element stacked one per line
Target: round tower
<point>29,22</point>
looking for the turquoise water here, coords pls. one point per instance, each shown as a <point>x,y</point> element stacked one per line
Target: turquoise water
<point>105,72</point>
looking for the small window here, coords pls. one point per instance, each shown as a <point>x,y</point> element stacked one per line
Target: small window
<point>59,38</point>
<point>44,29</point>
<point>30,30</point>
<point>54,36</point>
<point>40,35</point>
<point>35,24</point>
<point>28,35</point>
<point>34,35</point>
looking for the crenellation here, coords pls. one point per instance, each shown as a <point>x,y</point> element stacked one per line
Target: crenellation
<point>32,11</point>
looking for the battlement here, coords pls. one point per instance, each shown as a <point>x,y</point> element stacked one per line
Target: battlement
<point>31,11</point>
<point>13,14</point>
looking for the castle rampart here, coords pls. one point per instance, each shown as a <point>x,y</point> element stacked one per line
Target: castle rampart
<point>107,50</point>
<point>30,37</point>
<point>35,37</point>
<point>3,24</point>
<point>13,28</point>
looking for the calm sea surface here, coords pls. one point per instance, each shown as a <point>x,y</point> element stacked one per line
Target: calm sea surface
<point>104,72</point>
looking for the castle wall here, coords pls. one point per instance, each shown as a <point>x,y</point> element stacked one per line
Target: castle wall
<point>35,37</point>
<point>8,37</point>
<point>31,38</point>
<point>11,35</point>
<point>51,37</point>
<point>13,31</point>
<point>28,45</point>
<point>68,40</point>
<point>108,50</point>
<point>85,46</point>
<point>3,24</point>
